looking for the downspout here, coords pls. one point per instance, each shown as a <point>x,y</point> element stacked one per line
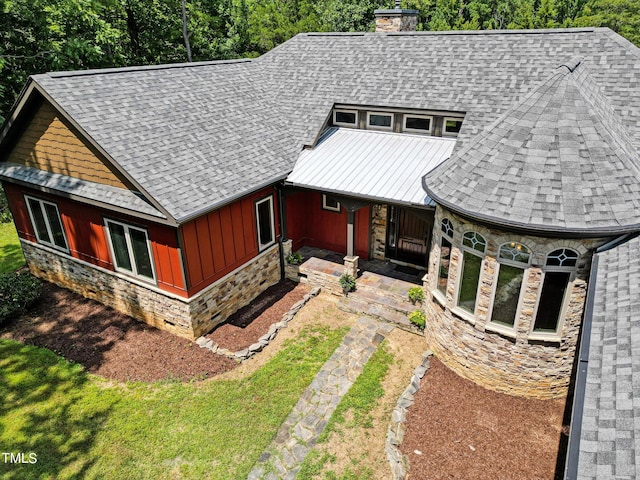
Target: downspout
<point>282,225</point>
<point>577,409</point>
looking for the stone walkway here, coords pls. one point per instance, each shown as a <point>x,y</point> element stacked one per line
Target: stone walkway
<point>308,419</point>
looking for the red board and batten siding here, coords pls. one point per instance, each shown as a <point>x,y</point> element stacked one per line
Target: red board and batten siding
<point>217,243</point>
<point>308,224</point>
<point>83,226</point>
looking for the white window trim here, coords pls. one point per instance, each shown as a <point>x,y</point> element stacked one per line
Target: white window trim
<point>497,327</point>
<point>470,316</point>
<point>343,124</point>
<point>46,223</point>
<point>442,298</point>
<point>553,336</point>
<point>376,127</point>
<point>272,226</point>
<point>134,270</point>
<point>417,130</point>
<point>444,126</point>
<point>329,207</point>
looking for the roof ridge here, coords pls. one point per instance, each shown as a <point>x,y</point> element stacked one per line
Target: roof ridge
<point>539,31</point>
<point>139,68</point>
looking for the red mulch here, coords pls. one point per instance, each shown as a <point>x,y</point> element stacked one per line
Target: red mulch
<point>244,327</point>
<point>467,432</point>
<point>115,346</point>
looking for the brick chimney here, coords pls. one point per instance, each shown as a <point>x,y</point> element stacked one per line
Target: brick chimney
<point>396,20</point>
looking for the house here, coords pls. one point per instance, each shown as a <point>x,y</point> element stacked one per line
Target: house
<point>505,163</point>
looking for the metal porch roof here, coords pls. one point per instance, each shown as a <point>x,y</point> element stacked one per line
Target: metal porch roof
<point>370,164</point>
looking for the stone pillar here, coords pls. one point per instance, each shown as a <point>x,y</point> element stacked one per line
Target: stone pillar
<point>396,20</point>
<point>351,265</point>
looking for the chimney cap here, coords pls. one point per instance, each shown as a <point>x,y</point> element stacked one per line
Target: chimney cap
<point>396,11</point>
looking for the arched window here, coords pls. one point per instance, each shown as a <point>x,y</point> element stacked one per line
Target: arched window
<point>513,260</point>
<point>558,272</point>
<point>473,248</point>
<point>445,255</point>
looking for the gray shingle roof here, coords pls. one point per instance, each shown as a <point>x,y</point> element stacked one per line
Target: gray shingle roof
<point>610,425</point>
<point>559,160</point>
<point>196,136</point>
<point>96,192</point>
<point>382,166</point>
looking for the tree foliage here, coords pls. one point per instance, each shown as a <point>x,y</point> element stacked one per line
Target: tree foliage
<point>44,35</point>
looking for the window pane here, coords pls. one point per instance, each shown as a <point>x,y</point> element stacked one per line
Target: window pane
<point>551,298</point>
<point>505,304</point>
<point>418,123</point>
<point>346,117</point>
<point>55,225</point>
<point>563,257</point>
<point>38,220</point>
<point>469,285</point>
<point>119,246</point>
<point>453,126</point>
<point>380,120</point>
<point>141,252</point>
<point>443,270</point>
<point>264,223</point>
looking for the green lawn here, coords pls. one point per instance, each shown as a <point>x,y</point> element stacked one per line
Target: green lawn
<point>10,251</point>
<point>81,426</point>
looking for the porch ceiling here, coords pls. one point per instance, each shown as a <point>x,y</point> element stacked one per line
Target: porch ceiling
<point>375,165</point>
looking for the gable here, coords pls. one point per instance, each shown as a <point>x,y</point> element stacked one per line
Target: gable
<point>48,143</point>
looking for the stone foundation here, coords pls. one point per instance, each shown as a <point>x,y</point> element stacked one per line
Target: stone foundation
<point>517,363</point>
<point>188,318</point>
<point>378,231</point>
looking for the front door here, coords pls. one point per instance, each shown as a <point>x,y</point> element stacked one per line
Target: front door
<point>409,234</point>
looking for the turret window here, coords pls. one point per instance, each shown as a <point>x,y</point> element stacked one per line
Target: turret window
<point>473,248</point>
<point>513,262</point>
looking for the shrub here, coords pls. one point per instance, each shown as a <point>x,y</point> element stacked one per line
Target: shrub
<point>416,294</point>
<point>18,292</point>
<point>294,258</point>
<point>348,283</point>
<point>418,318</point>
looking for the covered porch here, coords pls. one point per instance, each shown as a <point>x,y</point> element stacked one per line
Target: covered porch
<point>347,196</point>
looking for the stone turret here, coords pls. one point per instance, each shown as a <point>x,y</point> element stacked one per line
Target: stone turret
<point>396,20</point>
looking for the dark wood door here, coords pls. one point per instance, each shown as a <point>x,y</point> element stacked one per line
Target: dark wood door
<point>409,234</point>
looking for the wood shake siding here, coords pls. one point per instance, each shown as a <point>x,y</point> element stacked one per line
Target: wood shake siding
<point>47,143</point>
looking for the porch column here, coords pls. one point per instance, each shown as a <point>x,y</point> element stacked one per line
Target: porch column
<point>351,220</point>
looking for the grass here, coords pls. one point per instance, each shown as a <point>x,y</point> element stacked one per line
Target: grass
<point>353,412</point>
<point>81,426</point>
<point>10,250</point>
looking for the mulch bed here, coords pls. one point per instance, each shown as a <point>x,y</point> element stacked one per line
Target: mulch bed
<point>244,327</point>
<point>115,346</point>
<point>464,431</point>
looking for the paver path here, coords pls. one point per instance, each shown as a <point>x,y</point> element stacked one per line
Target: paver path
<point>307,420</point>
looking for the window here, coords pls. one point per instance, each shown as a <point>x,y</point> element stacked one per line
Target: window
<point>47,224</point>
<point>417,123</point>
<point>452,126</point>
<point>445,255</point>
<point>131,250</point>
<point>345,118</point>
<point>330,203</point>
<point>379,121</point>
<point>473,248</point>
<point>558,272</point>
<point>513,261</point>
<point>265,222</point>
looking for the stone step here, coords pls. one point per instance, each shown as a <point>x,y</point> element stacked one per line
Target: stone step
<point>389,301</point>
<point>378,311</point>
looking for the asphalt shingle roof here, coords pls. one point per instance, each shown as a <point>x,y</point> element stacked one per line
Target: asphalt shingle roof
<point>97,192</point>
<point>559,160</point>
<point>610,425</point>
<point>196,136</point>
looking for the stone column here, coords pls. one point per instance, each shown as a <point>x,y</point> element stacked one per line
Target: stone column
<point>351,265</point>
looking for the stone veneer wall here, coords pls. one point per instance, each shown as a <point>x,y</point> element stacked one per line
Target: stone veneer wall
<point>188,318</point>
<point>518,366</point>
<point>378,231</point>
